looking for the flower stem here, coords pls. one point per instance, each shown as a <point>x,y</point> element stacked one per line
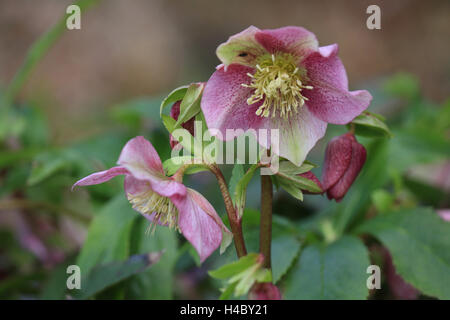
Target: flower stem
<point>235,221</point>
<point>265,234</point>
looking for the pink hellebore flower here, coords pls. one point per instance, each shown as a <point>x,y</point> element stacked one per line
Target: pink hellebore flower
<point>344,159</point>
<point>162,199</point>
<point>280,79</point>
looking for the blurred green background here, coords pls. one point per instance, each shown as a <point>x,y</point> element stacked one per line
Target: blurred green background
<point>99,86</point>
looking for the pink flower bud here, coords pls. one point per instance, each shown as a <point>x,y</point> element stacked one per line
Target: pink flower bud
<point>189,125</point>
<point>344,159</point>
<point>264,291</point>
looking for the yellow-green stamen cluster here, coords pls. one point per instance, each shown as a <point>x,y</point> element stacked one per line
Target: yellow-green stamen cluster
<point>278,81</point>
<point>150,202</point>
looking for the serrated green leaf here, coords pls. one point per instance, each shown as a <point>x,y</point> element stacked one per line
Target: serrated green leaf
<point>104,276</point>
<point>419,243</point>
<point>336,271</point>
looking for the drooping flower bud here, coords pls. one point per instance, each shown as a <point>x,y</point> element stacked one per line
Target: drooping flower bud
<point>189,125</point>
<point>264,291</point>
<point>344,159</point>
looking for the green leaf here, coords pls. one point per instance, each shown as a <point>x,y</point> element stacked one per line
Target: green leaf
<point>108,234</point>
<point>240,192</point>
<point>234,268</point>
<point>174,96</point>
<point>290,181</point>
<point>190,105</point>
<point>236,175</point>
<point>403,85</point>
<point>104,276</point>
<point>45,165</point>
<point>285,249</point>
<point>173,164</point>
<point>419,243</point>
<point>156,282</point>
<point>370,125</point>
<point>336,271</point>
<point>288,168</point>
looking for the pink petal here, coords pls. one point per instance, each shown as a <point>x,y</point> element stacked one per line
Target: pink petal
<point>337,159</point>
<point>295,40</point>
<point>357,161</point>
<point>224,101</point>
<point>330,99</point>
<point>297,135</point>
<point>444,214</point>
<point>100,177</point>
<point>142,161</point>
<point>140,154</point>
<point>199,223</point>
<point>241,48</point>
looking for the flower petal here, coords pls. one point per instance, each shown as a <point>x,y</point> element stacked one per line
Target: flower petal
<point>224,101</point>
<point>140,154</point>
<point>297,134</point>
<point>330,100</point>
<point>199,223</point>
<point>241,48</point>
<point>100,177</point>
<point>337,160</point>
<point>358,158</point>
<point>142,161</point>
<point>295,40</point>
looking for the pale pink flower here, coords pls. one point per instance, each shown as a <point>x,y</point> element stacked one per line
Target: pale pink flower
<point>280,79</point>
<point>162,199</point>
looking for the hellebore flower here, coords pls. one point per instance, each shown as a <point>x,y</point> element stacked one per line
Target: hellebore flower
<point>264,291</point>
<point>344,159</point>
<point>161,199</point>
<point>280,79</point>
<point>189,125</point>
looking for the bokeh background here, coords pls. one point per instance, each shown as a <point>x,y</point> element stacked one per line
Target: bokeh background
<point>100,85</point>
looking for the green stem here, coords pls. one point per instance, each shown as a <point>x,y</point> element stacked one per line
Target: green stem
<point>265,235</point>
<point>235,221</point>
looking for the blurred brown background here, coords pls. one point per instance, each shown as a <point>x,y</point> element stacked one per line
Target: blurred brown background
<point>127,49</point>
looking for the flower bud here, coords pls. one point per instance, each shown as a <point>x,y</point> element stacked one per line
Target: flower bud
<point>264,291</point>
<point>189,125</point>
<point>344,159</point>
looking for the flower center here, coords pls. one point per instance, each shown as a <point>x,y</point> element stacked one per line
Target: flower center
<point>278,81</point>
<point>150,202</point>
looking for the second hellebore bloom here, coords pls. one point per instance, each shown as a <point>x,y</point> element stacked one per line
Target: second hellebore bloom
<point>280,79</point>
<point>344,159</point>
<point>163,200</point>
